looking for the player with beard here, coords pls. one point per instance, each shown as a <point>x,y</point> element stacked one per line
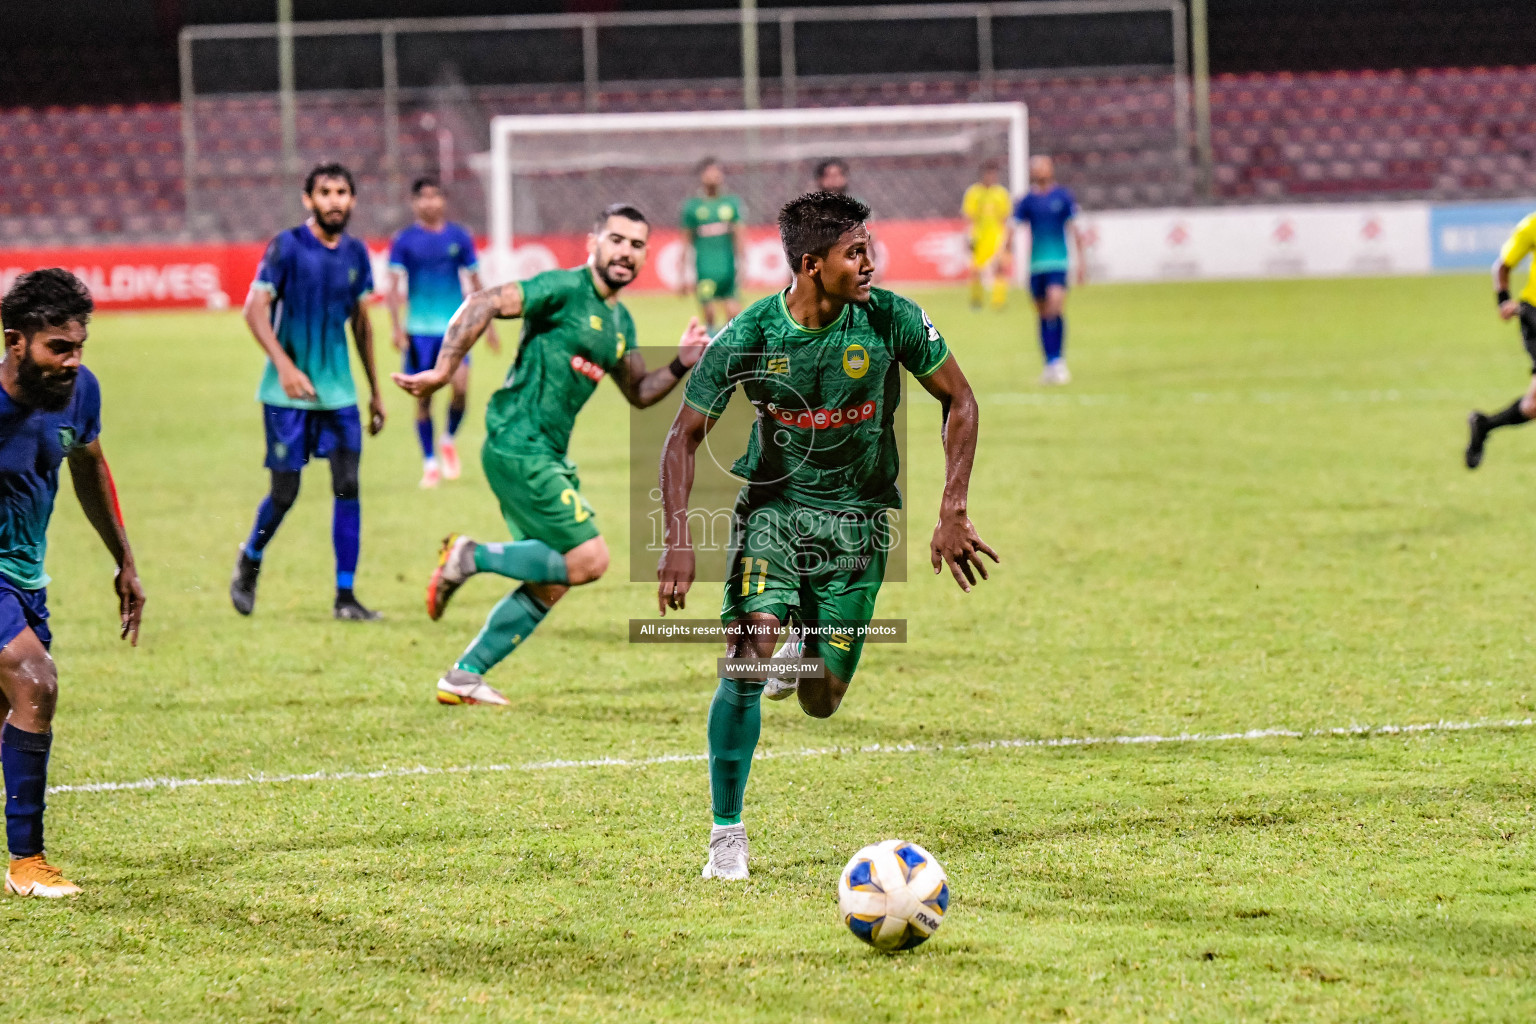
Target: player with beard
<point>575,331</point>
<point>311,284</point>
<point>50,412</point>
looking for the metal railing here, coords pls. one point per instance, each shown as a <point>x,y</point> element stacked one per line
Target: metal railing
<point>989,60</point>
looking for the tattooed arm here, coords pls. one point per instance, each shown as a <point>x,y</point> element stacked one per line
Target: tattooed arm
<point>474,316</point>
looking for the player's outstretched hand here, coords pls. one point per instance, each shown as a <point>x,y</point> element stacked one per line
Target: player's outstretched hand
<point>956,544</point>
<point>675,571</point>
<point>375,414</point>
<point>695,339</point>
<point>420,384</point>
<point>130,602</point>
<point>1509,308</point>
<point>295,383</point>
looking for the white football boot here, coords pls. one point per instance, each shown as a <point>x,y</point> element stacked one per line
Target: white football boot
<point>727,853</point>
<point>1056,374</point>
<point>460,687</point>
<point>775,688</point>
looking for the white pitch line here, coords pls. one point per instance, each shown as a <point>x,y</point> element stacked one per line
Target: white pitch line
<point>1057,398</point>
<point>262,779</point>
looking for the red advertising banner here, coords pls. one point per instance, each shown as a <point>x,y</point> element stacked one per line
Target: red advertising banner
<point>217,276</point>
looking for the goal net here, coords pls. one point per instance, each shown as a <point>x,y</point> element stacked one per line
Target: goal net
<point>549,174</point>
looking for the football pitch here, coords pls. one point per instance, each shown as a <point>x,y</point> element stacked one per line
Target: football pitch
<point>1242,538</point>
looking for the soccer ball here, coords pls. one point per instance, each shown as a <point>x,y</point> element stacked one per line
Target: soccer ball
<point>893,895</point>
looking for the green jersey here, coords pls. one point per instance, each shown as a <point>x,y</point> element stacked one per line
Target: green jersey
<point>825,399</point>
<point>572,336</point>
<point>711,222</point>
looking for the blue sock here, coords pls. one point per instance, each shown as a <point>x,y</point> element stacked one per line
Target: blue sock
<point>268,518</point>
<point>1053,336</point>
<point>346,536</point>
<point>424,435</point>
<point>24,756</point>
<point>455,417</point>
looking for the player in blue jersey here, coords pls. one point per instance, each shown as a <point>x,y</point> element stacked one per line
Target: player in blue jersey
<point>1050,211</point>
<point>311,284</point>
<point>432,256</point>
<point>50,412</point>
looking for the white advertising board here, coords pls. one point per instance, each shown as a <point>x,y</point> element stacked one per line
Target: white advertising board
<point>1258,241</point>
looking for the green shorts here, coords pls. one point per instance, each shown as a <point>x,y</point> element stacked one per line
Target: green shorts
<point>818,567</point>
<point>540,497</point>
<point>712,287</point>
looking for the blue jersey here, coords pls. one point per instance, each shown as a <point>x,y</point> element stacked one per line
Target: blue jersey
<point>1047,214</point>
<point>314,290</point>
<point>32,444</point>
<point>432,261</point>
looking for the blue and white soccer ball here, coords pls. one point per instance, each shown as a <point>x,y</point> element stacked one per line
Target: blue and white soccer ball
<point>893,895</point>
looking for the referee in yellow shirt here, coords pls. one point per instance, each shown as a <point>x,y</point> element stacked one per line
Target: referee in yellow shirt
<point>987,205</point>
<point>1520,245</point>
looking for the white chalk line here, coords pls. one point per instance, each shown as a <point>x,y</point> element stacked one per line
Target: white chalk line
<point>1059,398</point>
<point>263,779</point>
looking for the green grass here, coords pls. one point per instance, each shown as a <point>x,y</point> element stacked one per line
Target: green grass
<point>1247,512</point>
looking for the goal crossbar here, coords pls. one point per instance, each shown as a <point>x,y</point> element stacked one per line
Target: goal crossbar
<point>505,129</point>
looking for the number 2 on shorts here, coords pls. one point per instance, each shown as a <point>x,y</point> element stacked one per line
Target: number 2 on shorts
<point>746,575</point>
<point>571,498</point>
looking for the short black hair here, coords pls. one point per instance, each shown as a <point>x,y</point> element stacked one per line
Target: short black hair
<point>812,224</point>
<point>829,163</point>
<point>45,298</point>
<point>628,211</point>
<point>425,181</point>
<point>708,161</point>
<point>328,170</point>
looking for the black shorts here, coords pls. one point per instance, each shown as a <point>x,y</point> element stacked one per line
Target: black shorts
<point>1528,332</point>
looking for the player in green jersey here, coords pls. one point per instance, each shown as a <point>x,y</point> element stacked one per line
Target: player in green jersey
<point>821,363</point>
<point>575,332</point>
<point>713,236</point>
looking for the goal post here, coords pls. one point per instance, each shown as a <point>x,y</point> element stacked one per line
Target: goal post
<point>549,172</point>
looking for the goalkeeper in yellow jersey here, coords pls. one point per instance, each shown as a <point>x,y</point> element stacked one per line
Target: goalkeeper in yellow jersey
<point>987,205</point>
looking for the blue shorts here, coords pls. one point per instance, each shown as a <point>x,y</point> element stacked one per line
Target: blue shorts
<point>422,352</point>
<point>22,609</point>
<point>294,435</point>
<point>1038,283</point>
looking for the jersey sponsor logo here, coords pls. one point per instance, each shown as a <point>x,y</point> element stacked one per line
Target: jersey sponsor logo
<point>933,332</point>
<point>351,275</point>
<point>66,438</point>
<point>714,228</point>
<point>596,322</point>
<point>777,364</point>
<point>855,361</point>
<point>817,419</point>
<point>453,249</point>
<point>587,368</point>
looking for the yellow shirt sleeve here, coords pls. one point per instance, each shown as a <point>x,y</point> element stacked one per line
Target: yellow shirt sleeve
<point>970,206</point>
<point>1520,243</point>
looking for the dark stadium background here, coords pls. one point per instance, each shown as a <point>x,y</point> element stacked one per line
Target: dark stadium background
<point>124,51</point>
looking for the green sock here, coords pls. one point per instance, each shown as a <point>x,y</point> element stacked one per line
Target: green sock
<point>735,722</point>
<point>530,560</point>
<point>508,625</point>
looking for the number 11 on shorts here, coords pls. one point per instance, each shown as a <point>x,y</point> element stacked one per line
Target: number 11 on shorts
<point>746,575</point>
